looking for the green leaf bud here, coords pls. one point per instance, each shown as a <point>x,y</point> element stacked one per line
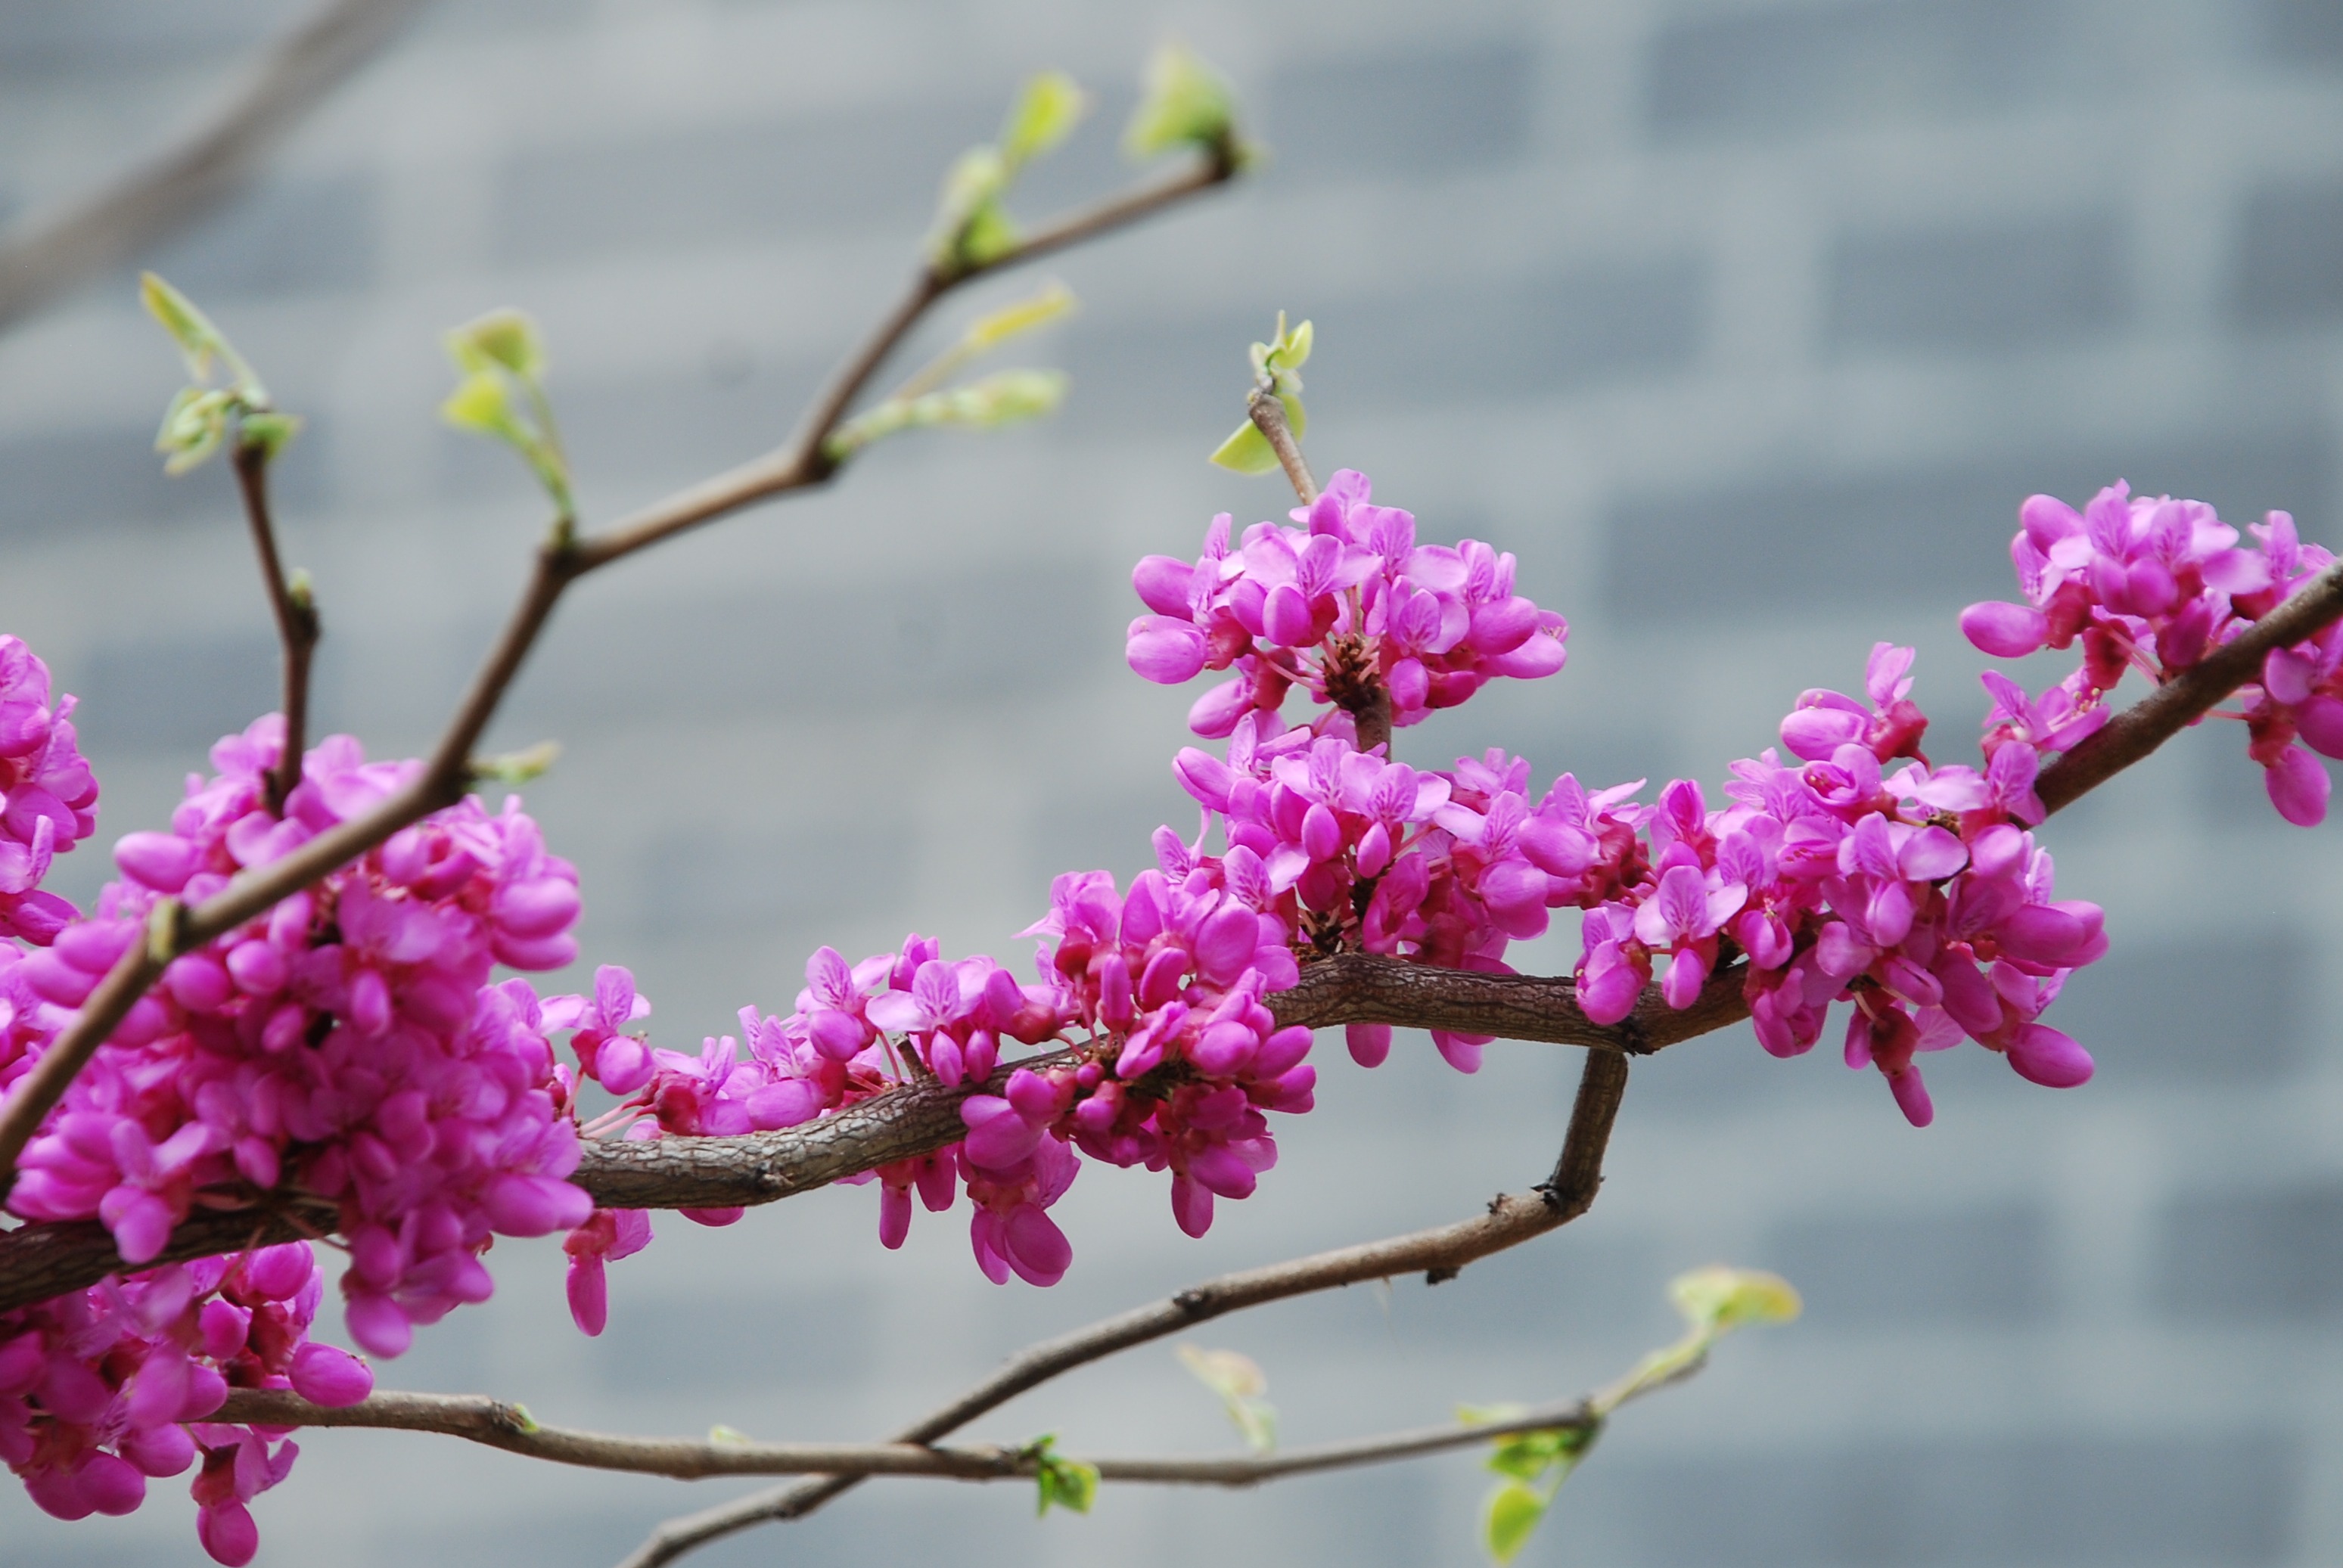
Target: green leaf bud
<point>193,427</point>
<point>1046,111</point>
<point>506,338</point>
<point>519,768</point>
<point>268,431</point>
<point>1183,101</point>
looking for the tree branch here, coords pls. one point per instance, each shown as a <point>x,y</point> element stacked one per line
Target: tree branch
<point>561,562</point>
<point>37,1262</point>
<point>509,1427</point>
<point>1268,416</point>
<point>297,627</point>
<point>1440,1253</point>
<point>2182,701</point>
<point>211,163</point>
<point>803,462</point>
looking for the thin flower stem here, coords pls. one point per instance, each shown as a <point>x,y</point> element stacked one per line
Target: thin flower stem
<point>498,1424</point>
<point>297,626</point>
<point>559,562</point>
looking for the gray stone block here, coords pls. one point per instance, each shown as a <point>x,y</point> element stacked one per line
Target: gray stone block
<point>2289,267</point>
<point>2270,1255</point>
<point>875,169</point>
<point>102,481</point>
<point>2225,1007</point>
<point>2301,32</point>
<point>818,874</point>
<point>1422,112</point>
<point>290,236</point>
<point>2068,1498</point>
<point>1786,67</point>
<point>1984,1266</point>
<point>685,1345</point>
<point>2031,283</point>
<point>907,643</point>
<point>177,697</point>
<point>1937,535</point>
<point>41,41</point>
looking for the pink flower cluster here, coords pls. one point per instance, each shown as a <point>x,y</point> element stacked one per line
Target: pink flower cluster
<point>1176,1062</point>
<point>1345,602</point>
<point>2155,584</point>
<point>50,804</point>
<point>104,1388</point>
<point>346,1043</point>
<point>1916,895</point>
<point>1352,852</point>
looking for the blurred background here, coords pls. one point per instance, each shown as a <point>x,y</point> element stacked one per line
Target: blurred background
<point>1746,323</point>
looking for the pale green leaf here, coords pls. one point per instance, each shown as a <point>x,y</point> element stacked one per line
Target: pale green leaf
<point>504,338</point>
<point>1046,111</point>
<point>1721,1298</point>
<point>1481,1414</point>
<point>1514,1511</point>
<point>199,341</point>
<point>1183,101</point>
<point>722,1434</point>
<point>270,432</point>
<point>989,234</point>
<point>995,328</point>
<point>1240,1385</point>
<point>480,403</point>
<point>518,768</point>
<point>194,426</point>
<point>189,328</point>
<point>970,200</point>
<point>1247,451</point>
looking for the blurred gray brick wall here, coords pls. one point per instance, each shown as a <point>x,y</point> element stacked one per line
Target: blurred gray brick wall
<point>1745,323</point>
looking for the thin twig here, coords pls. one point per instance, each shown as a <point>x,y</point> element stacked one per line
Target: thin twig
<point>210,163</point>
<point>1438,1253</point>
<point>509,1427</point>
<point>1268,416</point>
<point>803,461</point>
<point>2183,701</point>
<point>561,562</point>
<point>297,627</point>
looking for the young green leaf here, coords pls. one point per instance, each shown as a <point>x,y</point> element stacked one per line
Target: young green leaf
<point>194,426</point>
<point>1004,398</point>
<point>1066,1483</point>
<point>1719,1299</point>
<point>189,328</point>
<point>518,768</point>
<point>269,432</point>
<point>501,354</point>
<point>972,227</point>
<point>1513,1514</point>
<point>1183,101</point>
<point>1276,366</point>
<point>1046,111</point>
<point>504,338</point>
<point>998,326</point>
<point>1240,1383</point>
